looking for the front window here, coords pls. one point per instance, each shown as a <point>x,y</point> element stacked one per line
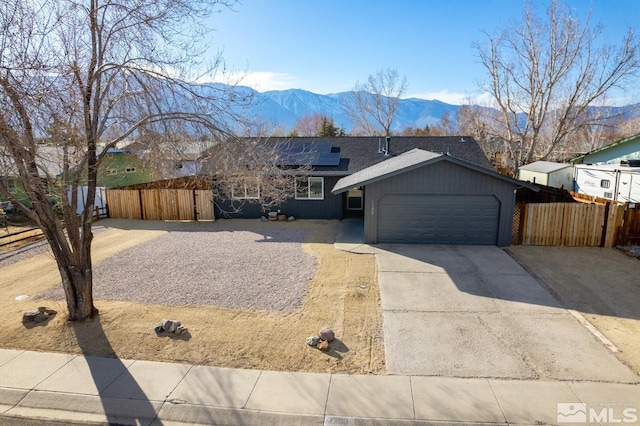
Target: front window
<point>310,188</point>
<point>247,189</point>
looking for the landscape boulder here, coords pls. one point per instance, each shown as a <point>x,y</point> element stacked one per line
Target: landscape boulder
<point>323,345</point>
<point>41,315</point>
<point>312,340</point>
<point>170,326</point>
<point>326,334</point>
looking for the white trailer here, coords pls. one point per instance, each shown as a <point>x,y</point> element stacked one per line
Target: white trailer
<point>618,182</point>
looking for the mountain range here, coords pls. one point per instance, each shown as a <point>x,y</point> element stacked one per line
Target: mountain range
<point>284,107</point>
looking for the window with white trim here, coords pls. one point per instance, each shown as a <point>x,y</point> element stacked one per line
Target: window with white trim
<point>246,190</point>
<point>111,172</point>
<point>310,188</point>
<point>131,169</point>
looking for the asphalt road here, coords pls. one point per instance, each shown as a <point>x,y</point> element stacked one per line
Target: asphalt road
<point>473,311</point>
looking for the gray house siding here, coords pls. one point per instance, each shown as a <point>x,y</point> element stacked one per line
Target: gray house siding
<point>328,208</point>
<point>442,178</point>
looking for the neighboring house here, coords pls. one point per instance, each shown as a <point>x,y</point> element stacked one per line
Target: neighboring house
<point>444,192</point>
<point>424,197</point>
<point>171,160</point>
<point>120,167</point>
<point>50,164</point>
<point>625,149</point>
<point>548,173</point>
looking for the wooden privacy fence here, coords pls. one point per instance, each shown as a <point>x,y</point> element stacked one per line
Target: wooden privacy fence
<point>160,204</point>
<point>569,224</point>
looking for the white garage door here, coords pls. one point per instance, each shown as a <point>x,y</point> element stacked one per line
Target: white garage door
<point>438,219</point>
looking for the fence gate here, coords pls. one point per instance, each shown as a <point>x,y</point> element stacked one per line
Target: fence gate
<point>204,204</point>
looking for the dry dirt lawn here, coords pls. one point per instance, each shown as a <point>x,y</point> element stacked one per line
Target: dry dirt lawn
<point>342,293</point>
<point>603,285</point>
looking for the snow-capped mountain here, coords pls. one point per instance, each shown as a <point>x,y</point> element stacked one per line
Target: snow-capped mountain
<point>286,106</point>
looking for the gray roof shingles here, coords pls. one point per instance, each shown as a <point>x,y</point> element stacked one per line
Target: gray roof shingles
<point>408,161</point>
<point>357,153</point>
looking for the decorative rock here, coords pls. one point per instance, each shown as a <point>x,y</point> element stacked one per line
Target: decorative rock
<point>174,326</point>
<point>312,340</point>
<point>30,316</point>
<point>170,326</point>
<point>263,219</point>
<point>323,345</point>
<point>326,334</point>
<point>46,310</point>
<point>41,317</point>
<point>166,324</point>
<point>291,219</point>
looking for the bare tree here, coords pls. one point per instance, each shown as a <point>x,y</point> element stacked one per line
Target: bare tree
<point>372,105</point>
<point>97,72</point>
<point>259,171</point>
<point>309,125</point>
<point>543,74</point>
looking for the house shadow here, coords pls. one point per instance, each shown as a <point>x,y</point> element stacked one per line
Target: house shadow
<point>131,407</point>
<point>498,274</point>
<point>267,232</point>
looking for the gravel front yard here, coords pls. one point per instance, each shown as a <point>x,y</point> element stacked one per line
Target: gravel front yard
<point>257,268</point>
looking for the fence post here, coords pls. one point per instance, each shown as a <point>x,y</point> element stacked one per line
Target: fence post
<point>195,205</point>
<point>141,204</point>
<point>605,222</point>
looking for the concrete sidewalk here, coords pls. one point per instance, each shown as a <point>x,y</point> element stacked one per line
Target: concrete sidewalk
<point>77,389</point>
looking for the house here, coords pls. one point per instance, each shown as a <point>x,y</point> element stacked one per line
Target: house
<point>171,160</point>
<point>50,165</point>
<point>424,197</point>
<point>332,159</point>
<point>625,149</point>
<point>407,189</point>
<point>119,167</point>
<point>548,173</point>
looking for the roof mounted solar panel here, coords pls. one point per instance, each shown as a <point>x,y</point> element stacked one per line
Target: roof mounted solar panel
<point>328,159</point>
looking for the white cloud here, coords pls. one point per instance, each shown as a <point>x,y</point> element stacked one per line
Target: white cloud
<point>261,81</point>
<point>452,97</point>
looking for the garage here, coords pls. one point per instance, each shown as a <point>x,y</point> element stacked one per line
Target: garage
<point>428,198</point>
<point>438,219</point>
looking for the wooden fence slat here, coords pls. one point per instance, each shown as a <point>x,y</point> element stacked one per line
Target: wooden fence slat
<point>204,204</point>
<point>160,204</point>
<point>123,204</point>
<point>576,224</point>
<point>184,198</point>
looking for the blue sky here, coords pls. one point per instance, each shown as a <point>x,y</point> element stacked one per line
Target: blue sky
<point>326,46</point>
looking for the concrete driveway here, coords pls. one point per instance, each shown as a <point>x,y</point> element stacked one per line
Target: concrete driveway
<point>473,311</point>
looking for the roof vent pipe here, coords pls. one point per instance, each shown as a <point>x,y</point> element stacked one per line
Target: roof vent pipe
<point>386,146</point>
<point>380,150</point>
